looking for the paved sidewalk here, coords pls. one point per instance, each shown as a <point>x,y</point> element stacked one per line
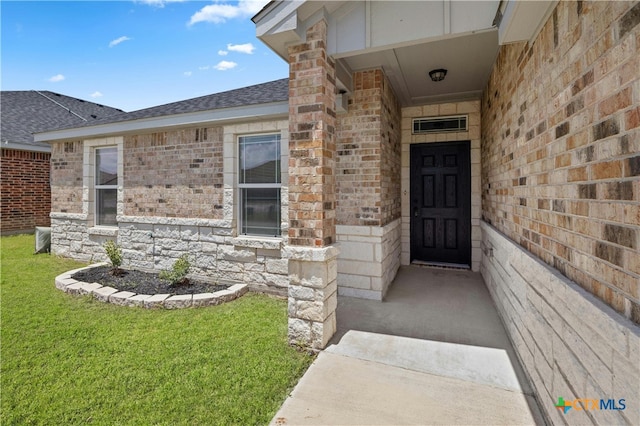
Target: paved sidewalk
<point>376,379</point>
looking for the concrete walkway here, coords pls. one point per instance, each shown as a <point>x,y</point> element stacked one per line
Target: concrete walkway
<point>375,379</point>
<point>434,352</point>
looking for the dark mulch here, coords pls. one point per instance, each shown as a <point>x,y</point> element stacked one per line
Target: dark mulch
<point>143,282</point>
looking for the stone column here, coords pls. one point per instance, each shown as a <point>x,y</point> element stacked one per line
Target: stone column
<point>312,258</point>
<point>313,295</point>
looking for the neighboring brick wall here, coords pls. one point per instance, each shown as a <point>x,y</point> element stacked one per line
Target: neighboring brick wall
<point>174,174</point>
<point>26,194</point>
<point>368,153</point>
<point>66,177</point>
<point>312,145</point>
<point>561,143</point>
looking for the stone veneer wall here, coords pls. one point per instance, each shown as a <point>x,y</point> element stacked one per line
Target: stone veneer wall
<point>470,108</point>
<point>369,259</point>
<point>156,243</point>
<point>569,342</point>
<point>25,191</point>
<point>154,239</point>
<point>561,144</point>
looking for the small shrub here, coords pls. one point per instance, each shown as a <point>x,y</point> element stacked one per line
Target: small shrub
<point>177,275</point>
<point>114,253</point>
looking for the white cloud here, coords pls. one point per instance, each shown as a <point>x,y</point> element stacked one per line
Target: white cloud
<point>223,52</point>
<point>225,65</point>
<point>96,94</point>
<point>247,48</point>
<point>158,3</point>
<point>56,78</point>
<point>118,41</point>
<point>220,12</point>
<point>206,67</point>
<point>187,73</point>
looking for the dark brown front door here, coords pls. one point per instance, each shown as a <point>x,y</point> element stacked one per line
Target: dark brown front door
<point>441,203</point>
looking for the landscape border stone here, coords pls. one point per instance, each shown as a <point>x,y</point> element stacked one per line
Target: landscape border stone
<point>108,294</point>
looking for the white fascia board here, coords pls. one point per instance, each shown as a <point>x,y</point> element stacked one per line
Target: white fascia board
<point>277,27</point>
<point>278,18</point>
<point>25,147</point>
<point>522,20</point>
<point>245,113</point>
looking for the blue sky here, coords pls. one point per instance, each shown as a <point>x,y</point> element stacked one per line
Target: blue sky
<point>134,54</point>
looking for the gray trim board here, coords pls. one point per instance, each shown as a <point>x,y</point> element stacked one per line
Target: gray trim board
<point>244,113</point>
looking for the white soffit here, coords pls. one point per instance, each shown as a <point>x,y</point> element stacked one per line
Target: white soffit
<point>467,58</point>
<point>405,38</point>
<point>358,26</point>
<point>522,19</point>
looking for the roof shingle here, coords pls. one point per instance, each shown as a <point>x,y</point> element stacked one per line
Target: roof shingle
<point>26,112</point>
<point>273,91</point>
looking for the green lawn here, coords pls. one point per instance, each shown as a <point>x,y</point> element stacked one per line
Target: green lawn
<point>74,360</point>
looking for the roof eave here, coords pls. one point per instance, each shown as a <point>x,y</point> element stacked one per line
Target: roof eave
<point>25,147</point>
<point>235,114</point>
<point>522,20</point>
<point>267,7</point>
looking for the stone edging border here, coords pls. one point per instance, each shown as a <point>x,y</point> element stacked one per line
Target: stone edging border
<point>108,294</point>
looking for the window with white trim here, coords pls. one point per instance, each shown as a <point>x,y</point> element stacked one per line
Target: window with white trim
<point>106,185</point>
<point>259,184</point>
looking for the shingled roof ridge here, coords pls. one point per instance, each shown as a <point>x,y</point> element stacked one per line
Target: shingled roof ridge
<point>60,105</point>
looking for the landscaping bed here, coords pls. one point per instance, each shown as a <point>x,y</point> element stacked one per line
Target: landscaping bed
<point>143,282</point>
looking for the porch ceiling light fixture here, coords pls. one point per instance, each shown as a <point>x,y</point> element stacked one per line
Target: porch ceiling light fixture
<point>437,75</point>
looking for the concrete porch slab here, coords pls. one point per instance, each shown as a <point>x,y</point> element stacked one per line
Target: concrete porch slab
<point>432,304</point>
<point>428,303</point>
<point>433,352</point>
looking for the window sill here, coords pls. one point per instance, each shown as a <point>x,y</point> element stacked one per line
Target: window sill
<point>269,243</point>
<point>105,231</point>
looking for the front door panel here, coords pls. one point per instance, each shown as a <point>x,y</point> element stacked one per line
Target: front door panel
<point>441,203</point>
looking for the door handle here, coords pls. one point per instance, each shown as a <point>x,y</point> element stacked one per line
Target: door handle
<point>415,212</point>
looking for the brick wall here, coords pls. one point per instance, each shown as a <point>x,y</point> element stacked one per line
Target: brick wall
<point>561,143</point>
<point>26,194</point>
<point>188,168</point>
<point>174,174</point>
<point>66,177</point>
<point>312,121</point>
<point>390,152</point>
<point>368,153</point>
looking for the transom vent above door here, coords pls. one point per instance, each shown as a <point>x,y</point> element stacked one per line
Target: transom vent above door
<point>452,123</point>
